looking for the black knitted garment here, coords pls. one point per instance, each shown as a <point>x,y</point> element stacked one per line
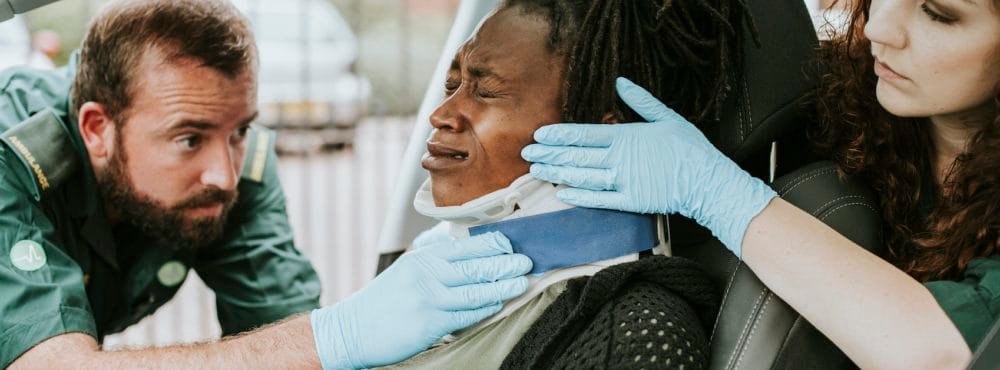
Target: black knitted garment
<point>650,314</point>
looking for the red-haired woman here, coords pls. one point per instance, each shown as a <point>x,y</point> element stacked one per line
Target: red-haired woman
<point>912,106</point>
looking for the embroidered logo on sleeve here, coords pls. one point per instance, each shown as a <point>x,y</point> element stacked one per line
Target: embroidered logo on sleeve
<point>27,255</point>
<point>43,180</point>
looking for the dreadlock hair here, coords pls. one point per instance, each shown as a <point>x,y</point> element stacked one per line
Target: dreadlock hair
<point>685,52</point>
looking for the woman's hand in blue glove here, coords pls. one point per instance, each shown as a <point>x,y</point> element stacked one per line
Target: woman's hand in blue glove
<point>438,288</point>
<point>664,166</point>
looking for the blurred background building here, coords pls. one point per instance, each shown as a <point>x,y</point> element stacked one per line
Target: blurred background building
<point>341,82</point>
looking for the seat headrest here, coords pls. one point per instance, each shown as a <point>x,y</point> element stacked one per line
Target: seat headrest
<point>766,100</point>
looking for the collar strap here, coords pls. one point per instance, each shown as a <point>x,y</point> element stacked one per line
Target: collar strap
<point>576,236</point>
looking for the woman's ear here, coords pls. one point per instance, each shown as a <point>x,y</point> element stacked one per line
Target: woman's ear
<point>97,130</point>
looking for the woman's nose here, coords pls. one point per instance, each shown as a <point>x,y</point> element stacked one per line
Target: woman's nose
<point>886,23</point>
<point>448,116</point>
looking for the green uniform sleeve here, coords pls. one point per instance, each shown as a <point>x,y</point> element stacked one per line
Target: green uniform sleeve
<point>972,303</point>
<point>42,293</point>
<point>257,273</point>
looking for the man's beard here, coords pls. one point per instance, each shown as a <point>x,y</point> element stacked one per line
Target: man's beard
<point>155,220</point>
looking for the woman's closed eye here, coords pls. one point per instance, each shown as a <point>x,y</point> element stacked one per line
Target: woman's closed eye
<point>486,93</point>
<point>452,85</point>
<point>937,16</point>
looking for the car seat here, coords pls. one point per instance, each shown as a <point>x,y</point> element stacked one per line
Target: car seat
<point>762,127</point>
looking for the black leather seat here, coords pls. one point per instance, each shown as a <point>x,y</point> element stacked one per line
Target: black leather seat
<point>769,109</point>
<point>755,328</point>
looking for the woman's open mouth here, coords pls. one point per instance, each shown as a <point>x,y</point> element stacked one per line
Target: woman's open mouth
<point>440,157</point>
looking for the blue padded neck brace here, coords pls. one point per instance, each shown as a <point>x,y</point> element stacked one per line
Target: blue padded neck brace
<point>575,236</point>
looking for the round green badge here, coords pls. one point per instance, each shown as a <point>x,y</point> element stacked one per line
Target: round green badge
<point>171,273</point>
<point>27,255</point>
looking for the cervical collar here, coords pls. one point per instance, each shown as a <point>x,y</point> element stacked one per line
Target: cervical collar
<point>564,242</point>
<point>490,207</point>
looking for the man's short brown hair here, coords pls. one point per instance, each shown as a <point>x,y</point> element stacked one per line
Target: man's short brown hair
<point>212,32</point>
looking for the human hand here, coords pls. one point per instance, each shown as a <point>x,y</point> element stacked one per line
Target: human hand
<point>438,233</point>
<point>428,293</point>
<point>663,166</point>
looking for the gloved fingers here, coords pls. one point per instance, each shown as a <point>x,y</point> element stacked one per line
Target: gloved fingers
<point>644,103</point>
<point>466,318</point>
<point>575,134</point>
<point>472,296</point>
<point>567,155</point>
<point>594,199</point>
<point>487,270</point>
<point>483,245</point>
<point>436,234</point>
<point>585,178</point>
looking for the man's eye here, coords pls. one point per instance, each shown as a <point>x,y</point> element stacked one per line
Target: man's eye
<point>242,132</point>
<point>189,142</point>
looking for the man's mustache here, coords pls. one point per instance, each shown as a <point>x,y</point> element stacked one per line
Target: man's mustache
<point>208,197</point>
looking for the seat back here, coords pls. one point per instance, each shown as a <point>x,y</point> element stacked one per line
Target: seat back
<point>755,329</point>
<point>763,128</point>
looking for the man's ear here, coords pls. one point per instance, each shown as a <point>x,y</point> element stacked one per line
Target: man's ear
<point>97,130</point>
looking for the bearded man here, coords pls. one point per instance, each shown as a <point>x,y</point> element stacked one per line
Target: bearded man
<point>138,162</point>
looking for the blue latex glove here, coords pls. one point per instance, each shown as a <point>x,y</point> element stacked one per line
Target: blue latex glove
<point>434,235</point>
<point>428,293</point>
<point>665,166</point>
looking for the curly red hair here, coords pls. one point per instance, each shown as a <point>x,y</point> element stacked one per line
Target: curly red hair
<point>930,233</point>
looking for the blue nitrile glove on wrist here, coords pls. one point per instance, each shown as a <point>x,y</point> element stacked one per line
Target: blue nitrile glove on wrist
<point>665,166</point>
<point>428,293</point>
<point>432,236</point>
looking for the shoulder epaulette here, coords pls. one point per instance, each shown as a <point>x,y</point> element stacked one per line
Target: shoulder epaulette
<point>44,146</point>
<point>259,146</point>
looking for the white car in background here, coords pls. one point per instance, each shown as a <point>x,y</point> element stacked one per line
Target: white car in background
<point>308,89</point>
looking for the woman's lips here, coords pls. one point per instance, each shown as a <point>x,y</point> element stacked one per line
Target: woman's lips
<point>440,157</point>
<point>885,72</point>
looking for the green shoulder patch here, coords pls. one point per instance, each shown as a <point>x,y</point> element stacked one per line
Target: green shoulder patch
<point>45,149</point>
<point>259,144</point>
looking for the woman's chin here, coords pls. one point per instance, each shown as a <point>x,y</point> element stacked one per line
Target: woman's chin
<point>897,103</point>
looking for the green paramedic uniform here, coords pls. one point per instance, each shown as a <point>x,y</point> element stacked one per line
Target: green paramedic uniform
<point>64,269</point>
<point>972,303</point>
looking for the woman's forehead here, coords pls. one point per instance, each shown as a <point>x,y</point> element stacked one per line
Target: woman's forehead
<point>507,41</point>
